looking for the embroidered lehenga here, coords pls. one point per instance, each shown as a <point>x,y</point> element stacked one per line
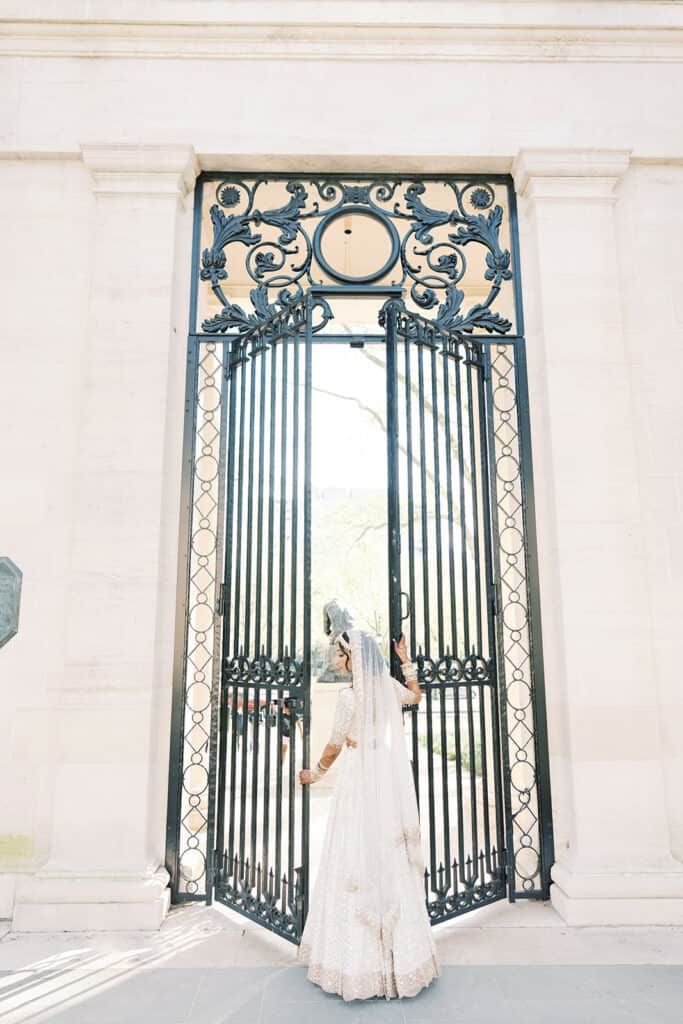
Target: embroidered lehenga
<point>367,932</point>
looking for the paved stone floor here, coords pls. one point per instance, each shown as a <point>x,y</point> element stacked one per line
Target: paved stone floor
<point>206,966</point>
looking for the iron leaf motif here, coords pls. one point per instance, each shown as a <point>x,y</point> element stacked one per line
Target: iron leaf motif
<point>225,231</point>
<point>479,316</point>
<point>448,311</point>
<point>285,218</point>
<point>233,316</point>
<point>425,217</point>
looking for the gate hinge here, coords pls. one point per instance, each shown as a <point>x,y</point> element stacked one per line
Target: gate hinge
<point>220,600</point>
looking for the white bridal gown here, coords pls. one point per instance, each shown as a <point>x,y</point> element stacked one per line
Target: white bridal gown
<point>348,949</point>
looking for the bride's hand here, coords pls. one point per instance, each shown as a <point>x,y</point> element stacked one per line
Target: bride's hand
<point>400,648</point>
<point>305,777</point>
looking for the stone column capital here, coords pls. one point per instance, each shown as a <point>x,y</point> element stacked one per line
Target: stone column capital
<point>569,173</point>
<point>144,170</point>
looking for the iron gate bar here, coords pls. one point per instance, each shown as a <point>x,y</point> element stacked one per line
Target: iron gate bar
<point>331,338</point>
<point>471,431</point>
<point>425,608</point>
<point>411,541</point>
<point>356,289</point>
<point>463,524</point>
<point>444,883</point>
<point>254,789</point>
<point>388,314</point>
<point>469,363</point>
<point>257,621</point>
<point>493,611</point>
<point>280,587</point>
<point>271,490</point>
<point>227,608</point>
<point>283,492</point>
<point>303,902</point>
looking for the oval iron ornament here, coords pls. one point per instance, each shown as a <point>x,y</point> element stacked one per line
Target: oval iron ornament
<point>375,218</point>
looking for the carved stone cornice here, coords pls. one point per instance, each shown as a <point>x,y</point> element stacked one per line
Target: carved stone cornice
<point>569,173</point>
<point>604,31</point>
<point>142,170</point>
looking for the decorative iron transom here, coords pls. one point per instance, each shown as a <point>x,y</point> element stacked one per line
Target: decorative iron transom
<point>265,242</point>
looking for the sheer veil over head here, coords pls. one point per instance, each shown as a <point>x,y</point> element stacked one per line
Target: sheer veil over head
<point>388,815</point>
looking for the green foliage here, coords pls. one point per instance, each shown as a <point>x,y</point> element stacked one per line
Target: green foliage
<point>450,749</point>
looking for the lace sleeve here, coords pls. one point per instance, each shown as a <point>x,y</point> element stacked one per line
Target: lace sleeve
<point>343,716</point>
<point>406,695</point>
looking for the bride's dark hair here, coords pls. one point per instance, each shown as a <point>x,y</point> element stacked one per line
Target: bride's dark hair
<point>344,641</point>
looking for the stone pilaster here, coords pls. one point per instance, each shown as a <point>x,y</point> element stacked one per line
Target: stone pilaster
<point>105,868</point>
<point>613,860</point>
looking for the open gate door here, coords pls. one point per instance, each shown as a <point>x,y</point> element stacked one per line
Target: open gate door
<point>441,568</point>
<point>261,848</point>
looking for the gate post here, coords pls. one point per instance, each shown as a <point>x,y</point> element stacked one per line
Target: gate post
<point>388,317</point>
<point>105,867</point>
<point>613,861</point>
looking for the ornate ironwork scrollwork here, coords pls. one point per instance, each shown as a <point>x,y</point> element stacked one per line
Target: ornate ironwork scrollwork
<point>465,885</point>
<point>273,903</point>
<point>450,669</point>
<point>281,246</point>
<point>263,671</point>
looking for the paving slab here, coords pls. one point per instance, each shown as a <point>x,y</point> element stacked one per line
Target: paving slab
<point>207,965</point>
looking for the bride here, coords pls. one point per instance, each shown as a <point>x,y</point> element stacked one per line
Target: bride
<point>367,932</point>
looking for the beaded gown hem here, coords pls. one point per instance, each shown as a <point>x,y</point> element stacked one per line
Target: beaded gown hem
<point>372,983</point>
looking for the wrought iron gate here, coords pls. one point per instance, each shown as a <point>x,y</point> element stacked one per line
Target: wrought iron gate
<point>441,559</point>
<point>262,813</point>
<point>462,571</point>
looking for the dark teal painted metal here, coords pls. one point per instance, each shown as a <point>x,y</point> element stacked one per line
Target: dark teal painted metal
<point>476,876</point>
<point>363,212</point>
<point>283,268</point>
<point>267,680</point>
